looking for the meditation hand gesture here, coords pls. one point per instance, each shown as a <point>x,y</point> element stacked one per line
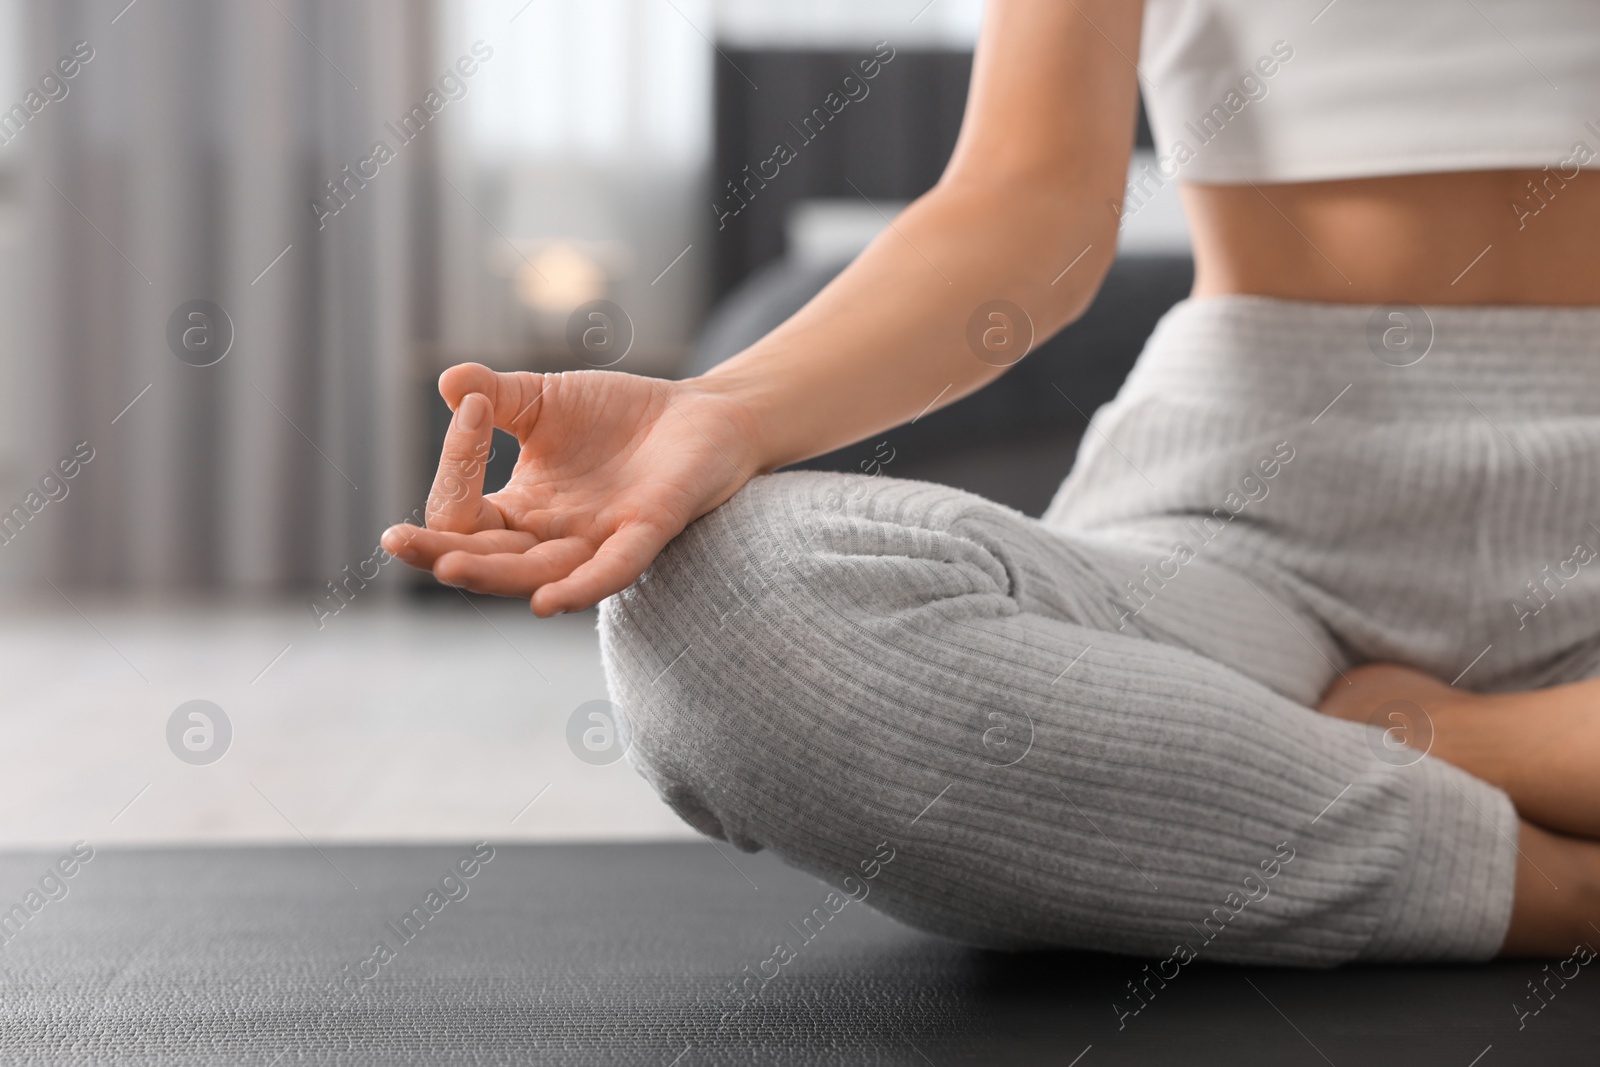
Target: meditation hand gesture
<point>612,467</point>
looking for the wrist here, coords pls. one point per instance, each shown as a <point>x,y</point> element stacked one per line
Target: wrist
<point>747,406</point>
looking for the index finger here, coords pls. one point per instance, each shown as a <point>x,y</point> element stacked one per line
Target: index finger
<point>456,500</point>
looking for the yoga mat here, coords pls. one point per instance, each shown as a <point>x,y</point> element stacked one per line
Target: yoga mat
<point>661,954</point>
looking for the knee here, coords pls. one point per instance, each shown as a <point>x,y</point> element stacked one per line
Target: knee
<point>679,661</point>
<point>735,657</point>
<point>720,569</point>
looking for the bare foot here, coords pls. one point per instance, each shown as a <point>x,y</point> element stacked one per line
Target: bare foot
<point>1524,743</point>
<point>1556,898</point>
<point>1542,746</point>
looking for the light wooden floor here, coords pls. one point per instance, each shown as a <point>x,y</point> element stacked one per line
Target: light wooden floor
<point>389,724</point>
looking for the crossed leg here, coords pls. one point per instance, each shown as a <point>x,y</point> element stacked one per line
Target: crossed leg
<point>830,667</point>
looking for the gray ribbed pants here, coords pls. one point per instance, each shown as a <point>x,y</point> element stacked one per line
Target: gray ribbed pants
<point>1094,730</point>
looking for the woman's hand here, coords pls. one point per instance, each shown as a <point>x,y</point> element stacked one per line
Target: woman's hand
<point>612,467</point>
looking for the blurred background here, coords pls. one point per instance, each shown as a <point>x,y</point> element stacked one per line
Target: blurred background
<point>239,242</point>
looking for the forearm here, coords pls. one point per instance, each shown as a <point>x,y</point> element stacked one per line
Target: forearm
<point>889,337</point>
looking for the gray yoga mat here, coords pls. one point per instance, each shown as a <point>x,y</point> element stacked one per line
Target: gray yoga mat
<point>636,954</point>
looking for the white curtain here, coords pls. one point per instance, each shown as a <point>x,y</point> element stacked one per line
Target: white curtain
<point>182,166</point>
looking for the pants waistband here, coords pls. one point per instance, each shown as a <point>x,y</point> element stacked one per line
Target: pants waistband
<point>1396,361</point>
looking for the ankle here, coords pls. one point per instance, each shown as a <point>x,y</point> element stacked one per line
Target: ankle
<point>1557,894</point>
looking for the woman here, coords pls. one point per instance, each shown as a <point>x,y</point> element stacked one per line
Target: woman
<point>1101,729</point>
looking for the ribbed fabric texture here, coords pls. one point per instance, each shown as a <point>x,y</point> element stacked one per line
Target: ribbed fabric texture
<point>1420,503</point>
<point>1092,731</point>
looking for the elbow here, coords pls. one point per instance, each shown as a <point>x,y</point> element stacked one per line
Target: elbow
<point>1070,247</point>
<point>1070,293</point>
<point>1046,245</point>
<point>1042,245</point>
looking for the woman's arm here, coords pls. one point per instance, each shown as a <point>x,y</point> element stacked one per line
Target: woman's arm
<point>1042,157</point>
<point>613,466</point>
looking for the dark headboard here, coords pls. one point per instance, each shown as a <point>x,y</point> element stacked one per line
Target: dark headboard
<point>890,144</point>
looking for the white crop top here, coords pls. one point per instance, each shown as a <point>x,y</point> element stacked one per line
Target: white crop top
<point>1300,90</point>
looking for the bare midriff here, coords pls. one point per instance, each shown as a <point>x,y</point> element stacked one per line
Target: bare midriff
<point>1474,237</point>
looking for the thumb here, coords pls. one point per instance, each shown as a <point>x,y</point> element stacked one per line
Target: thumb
<point>513,395</point>
<point>456,502</point>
